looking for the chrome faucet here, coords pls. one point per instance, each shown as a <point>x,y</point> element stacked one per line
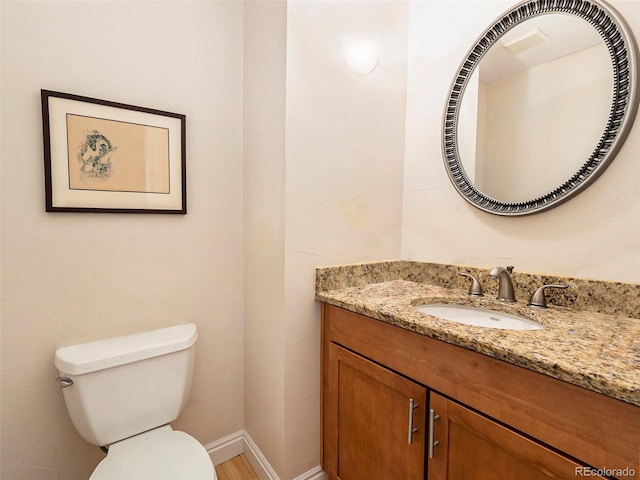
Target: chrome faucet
<point>505,285</point>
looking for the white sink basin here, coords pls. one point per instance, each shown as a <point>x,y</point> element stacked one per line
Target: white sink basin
<point>479,317</point>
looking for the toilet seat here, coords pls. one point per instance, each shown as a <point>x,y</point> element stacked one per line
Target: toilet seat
<point>159,454</point>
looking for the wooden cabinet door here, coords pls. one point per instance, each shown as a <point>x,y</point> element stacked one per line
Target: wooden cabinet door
<point>472,446</point>
<point>369,413</point>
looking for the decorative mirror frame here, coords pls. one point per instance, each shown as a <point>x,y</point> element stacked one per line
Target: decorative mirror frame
<point>623,52</point>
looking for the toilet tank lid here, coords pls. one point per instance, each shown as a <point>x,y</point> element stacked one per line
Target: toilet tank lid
<point>102,354</point>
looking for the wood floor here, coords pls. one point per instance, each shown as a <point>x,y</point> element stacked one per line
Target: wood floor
<point>238,468</point>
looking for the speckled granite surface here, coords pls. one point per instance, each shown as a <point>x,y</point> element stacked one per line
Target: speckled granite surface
<point>578,345</point>
<point>611,298</point>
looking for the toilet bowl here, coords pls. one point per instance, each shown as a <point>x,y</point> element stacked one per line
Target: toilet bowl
<point>122,393</point>
<point>160,454</point>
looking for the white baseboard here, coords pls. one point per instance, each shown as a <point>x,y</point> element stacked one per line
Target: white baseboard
<point>314,474</point>
<point>226,448</point>
<point>241,442</point>
<point>258,461</point>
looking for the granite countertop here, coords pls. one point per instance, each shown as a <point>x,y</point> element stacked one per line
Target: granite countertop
<point>593,350</point>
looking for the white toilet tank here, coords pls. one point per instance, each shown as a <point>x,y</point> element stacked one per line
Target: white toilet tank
<point>127,385</point>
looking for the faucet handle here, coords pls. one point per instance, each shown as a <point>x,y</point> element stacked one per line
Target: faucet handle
<point>475,289</point>
<point>538,299</point>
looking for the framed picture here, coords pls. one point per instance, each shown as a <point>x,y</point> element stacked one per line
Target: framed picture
<point>108,157</point>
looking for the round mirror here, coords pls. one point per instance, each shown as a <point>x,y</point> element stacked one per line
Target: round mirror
<point>540,105</point>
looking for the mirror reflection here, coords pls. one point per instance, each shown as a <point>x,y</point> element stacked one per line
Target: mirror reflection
<point>535,107</point>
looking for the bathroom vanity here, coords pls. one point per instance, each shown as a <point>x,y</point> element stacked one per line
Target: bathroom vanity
<point>408,395</point>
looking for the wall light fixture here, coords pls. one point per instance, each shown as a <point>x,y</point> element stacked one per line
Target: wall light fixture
<point>361,55</point>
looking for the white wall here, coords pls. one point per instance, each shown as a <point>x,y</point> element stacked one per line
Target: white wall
<point>594,235</point>
<point>69,278</point>
<point>335,197</point>
<point>265,50</point>
<point>332,196</point>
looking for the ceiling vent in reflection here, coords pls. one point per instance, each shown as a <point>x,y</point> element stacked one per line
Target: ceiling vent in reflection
<point>527,42</point>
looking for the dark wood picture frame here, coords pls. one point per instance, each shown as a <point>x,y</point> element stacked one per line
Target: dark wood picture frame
<point>109,157</point>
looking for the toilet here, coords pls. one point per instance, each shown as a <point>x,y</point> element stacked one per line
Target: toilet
<point>122,394</point>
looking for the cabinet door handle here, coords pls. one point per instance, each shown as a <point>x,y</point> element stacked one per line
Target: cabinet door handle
<point>412,406</point>
<point>432,443</point>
